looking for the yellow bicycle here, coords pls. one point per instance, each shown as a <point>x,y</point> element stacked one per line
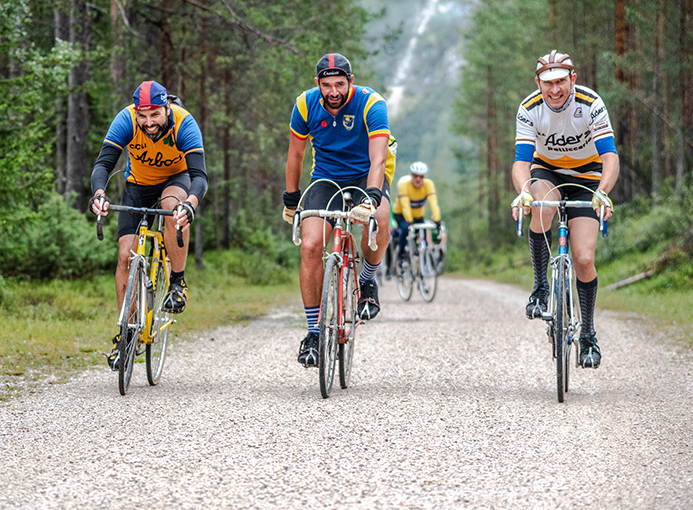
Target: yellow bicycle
<point>144,324</point>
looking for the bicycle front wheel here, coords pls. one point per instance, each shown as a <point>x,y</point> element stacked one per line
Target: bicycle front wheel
<point>130,326</point>
<point>161,321</point>
<point>329,318</point>
<point>561,321</point>
<point>405,279</point>
<point>428,280</point>
<point>346,349</point>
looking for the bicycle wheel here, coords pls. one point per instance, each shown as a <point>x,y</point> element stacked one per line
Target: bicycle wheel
<point>405,279</point>
<point>161,321</point>
<point>561,331</point>
<point>428,279</point>
<point>346,349</point>
<point>329,314</point>
<point>130,325</point>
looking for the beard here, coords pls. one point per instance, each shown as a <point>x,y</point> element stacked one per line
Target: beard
<point>337,105</point>
<point>160,130</point>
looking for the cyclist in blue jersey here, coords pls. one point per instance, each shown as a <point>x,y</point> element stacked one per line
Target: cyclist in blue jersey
<point>165,161</point>
<point>349,132</point>
<point>564,136</point>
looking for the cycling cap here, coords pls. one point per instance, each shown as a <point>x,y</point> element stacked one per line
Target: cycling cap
<point>333,64</point>
<point>554,66</point>
<point>418,168</point>
<point>150,95</point>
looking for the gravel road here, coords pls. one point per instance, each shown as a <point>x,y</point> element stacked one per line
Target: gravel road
<point>452,405</point>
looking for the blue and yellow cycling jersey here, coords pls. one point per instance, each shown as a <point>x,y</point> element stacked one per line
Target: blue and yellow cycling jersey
<point>410,200</point>
<point>340,142</point>
<point>150,162</point>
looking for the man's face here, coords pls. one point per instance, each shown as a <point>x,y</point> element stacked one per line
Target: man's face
<point>153,123</point>
<point>417,180</point>
<point>556,92</point>
<point>334,90</point>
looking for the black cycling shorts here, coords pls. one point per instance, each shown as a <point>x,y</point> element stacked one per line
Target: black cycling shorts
<point>570,192</point>
<point>320,195</point>
<point>137,195</point>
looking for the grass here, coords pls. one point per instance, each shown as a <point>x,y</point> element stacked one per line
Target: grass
<point>50,329</point>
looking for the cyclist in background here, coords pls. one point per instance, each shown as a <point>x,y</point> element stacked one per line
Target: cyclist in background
<point>165,160</point>
<point>564,136</point>
<point>348,129</point>
<point>413,191</point>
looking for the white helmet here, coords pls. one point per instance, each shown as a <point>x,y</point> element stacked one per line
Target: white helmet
<point>418,168</point>
<point>554,66</point>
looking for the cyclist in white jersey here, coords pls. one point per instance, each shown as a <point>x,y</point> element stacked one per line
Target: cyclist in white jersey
<point>563,135</point>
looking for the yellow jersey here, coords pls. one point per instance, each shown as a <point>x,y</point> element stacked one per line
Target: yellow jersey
<point>410,200</point>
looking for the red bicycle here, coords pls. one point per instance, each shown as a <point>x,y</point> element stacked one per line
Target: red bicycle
<point>340,291</point>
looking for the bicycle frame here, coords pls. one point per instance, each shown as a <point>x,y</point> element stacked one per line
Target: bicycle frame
<point>343,249</point>
<point>158,256</point>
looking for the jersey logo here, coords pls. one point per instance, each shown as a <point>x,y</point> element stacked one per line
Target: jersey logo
<point>324,123</point>
<point>348,122</point>
<point>578,112</point>
<point>169,140</point>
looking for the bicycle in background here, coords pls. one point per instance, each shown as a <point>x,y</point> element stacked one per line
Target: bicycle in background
<point>338,317</point>
<point>418,266</point>
<point>144,325</point>
<point>563,311</point>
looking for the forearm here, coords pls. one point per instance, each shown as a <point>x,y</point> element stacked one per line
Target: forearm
<point>294,163</point>
<point>105,163</point>
<point>610,171</point>
<point>377,152</point>
<point>521,175</point>
<point>198,177</point>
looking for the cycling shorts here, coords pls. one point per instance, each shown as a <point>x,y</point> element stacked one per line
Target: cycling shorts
<point>570,192</point>
<point>320,195</point>
<point>138,195</point>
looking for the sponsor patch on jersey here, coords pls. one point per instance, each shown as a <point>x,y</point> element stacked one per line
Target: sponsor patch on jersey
<point>348,122</point>
<point>323,123</point>
<point>578,112</point>
<point>524,119</point>
<point>600,126</point>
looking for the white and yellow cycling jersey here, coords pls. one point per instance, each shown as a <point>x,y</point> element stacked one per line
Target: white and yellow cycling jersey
<point>569,142</point>
<point>410,200</point>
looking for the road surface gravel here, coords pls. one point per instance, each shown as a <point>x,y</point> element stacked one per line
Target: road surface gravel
<point>452,405</point>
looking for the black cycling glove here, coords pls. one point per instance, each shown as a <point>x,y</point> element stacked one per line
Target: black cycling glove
<point>188,210</point>
<point>98,197</point>
<point>375,195</point>
<point>291,199</point>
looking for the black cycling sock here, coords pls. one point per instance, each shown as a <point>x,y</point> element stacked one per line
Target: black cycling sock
<point>176,277</point>
<point>541,255</point>
<point>587,294</point>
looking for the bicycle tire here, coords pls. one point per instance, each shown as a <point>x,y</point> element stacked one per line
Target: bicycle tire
<point>561,332</point>
<point>327,353</point>
<point>405,280</point>
<point>428,279</point>
<point>346,349</point>
<point>130,326</point>
<point>156,350</point>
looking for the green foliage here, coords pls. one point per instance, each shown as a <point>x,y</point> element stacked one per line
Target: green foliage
<point>60,244</point>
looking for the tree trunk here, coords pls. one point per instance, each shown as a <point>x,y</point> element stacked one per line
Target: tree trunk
<point>78,108</point>
<point>492,154</point>
<point>685,83</point>
<point>202,121</point>
<point>62,33</point>
<point>165,46</point>
<point>656,170</point>
<point>621,39</point>
<point>226,187</point>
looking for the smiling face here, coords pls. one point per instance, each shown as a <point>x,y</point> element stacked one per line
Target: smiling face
<point>556,92</point>
<point>334,90</point>
<point>153,122</point>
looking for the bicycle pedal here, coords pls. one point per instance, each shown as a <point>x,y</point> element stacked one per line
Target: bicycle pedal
<point>547,316</point>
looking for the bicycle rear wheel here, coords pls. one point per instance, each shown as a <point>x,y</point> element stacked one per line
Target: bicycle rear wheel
<point>130,325</point>
<point>561,332</point>
<point>329,315</point>
<point>346,349</point>
<point>428,281</point>
<point>161,321</point>
<point>405,279</point>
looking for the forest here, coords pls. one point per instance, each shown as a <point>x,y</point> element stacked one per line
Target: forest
<point>68,66</point>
